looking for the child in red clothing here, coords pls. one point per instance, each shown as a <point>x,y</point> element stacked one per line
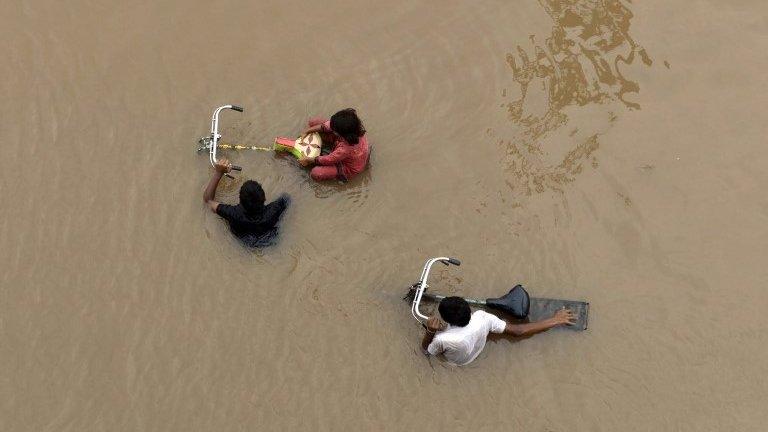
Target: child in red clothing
<point>345,134</point>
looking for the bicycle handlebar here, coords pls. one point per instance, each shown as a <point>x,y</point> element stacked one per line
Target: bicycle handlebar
<point>423,284</point>
<point>215,133</point>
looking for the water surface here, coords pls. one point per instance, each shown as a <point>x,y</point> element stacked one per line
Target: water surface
<point>605,151</point>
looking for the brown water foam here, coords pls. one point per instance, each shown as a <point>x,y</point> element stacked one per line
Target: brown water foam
<point>579,64</point>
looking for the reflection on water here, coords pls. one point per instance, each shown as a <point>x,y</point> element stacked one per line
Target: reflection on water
<point>356,190</point>
<point>577,65</point>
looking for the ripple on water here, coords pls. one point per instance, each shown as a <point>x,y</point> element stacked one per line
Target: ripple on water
<point>576,70</point>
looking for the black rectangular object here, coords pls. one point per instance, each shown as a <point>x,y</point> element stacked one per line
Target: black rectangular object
<point>543,308</point>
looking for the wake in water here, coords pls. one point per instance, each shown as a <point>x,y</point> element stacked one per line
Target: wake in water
<point>577,65</point>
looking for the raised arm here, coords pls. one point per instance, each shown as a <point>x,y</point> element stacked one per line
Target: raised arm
<point>320,125</point>
<point>434,325</point>
<point>222,167</point>
<point>561,317</point>
<point>339,154</point>
<point>313,129</point>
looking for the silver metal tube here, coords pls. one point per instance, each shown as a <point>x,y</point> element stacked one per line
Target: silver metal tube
<point>215,132</point>
<point>422,286</point>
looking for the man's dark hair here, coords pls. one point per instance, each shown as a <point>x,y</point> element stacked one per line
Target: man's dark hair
<point>347,124</point>
<point>252,196</point>
<point>455,311</point>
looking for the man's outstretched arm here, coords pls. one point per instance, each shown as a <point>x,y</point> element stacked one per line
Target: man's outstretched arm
<point>222,167</point>
<point>561,317</point>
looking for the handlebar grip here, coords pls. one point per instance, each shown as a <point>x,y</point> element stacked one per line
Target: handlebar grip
<point>237,108</point>
<point>454,261</point>
<point>236,168</point>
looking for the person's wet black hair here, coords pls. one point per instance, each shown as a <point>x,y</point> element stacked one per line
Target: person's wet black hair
<point>347,124</point>
<point>455,311</point>
<point>252,196</point>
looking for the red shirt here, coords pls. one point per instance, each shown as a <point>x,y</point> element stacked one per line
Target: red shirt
<point>352,158</point>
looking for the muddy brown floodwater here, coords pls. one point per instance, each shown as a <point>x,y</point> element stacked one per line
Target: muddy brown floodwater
<point>607,151</point>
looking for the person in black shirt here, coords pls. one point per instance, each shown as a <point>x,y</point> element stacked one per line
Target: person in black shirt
<point>253,222</point>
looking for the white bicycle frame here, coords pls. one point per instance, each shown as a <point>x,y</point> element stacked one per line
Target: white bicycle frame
<point>423,285</point>
<point>215,132</point>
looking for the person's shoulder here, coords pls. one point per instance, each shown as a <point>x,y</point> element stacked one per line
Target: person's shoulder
<point>441,337</point>
<point>281,202</point>
<point>363,141</point>
<point>488,321</point>
<point>222,209</point>
<point>343,145</point>
<point>362,146</point>
<point>483,316</point>
<point>229,211</point>
<point>435,347</point>
<point>284,198</point>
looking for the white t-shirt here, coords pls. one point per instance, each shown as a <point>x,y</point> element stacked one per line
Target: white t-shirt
<point>461,345</point>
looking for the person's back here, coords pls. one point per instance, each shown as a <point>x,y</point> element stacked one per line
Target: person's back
<point>461,345</point>
<point>463,336</point>
<point>358,159</point>
<point>251,220</point>
<point>256,227</point>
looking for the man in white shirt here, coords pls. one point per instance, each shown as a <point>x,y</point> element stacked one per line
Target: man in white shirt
<point>463,337</point>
